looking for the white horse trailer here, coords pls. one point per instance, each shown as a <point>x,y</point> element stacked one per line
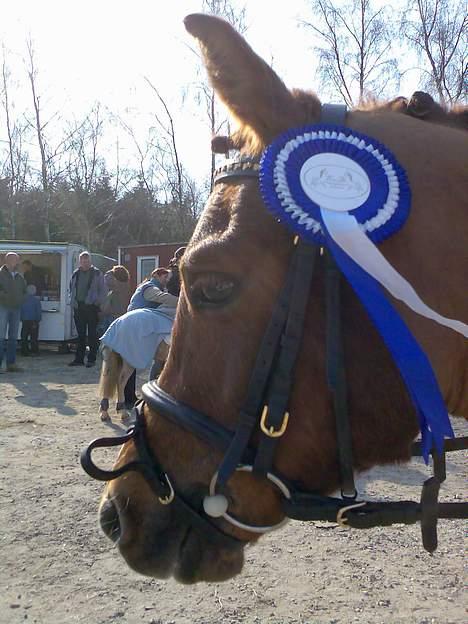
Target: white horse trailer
<point>54,263</point>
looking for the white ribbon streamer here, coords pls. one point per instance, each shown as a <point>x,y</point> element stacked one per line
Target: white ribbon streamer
<point>346,232</point>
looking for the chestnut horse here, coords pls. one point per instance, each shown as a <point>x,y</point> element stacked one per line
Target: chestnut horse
<point>233,272</point>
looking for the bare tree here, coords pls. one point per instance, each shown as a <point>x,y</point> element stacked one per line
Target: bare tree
<point>51,162</point>
<point>82,150</point>
<point>179,185</point>
<point>41,141</point>
<point>9,127</point>
<point>205,95</point>
<point>438,31</point>
<point>167,149</point>
<point>172,197</point>
<point>85,172</point>
<point>14,169</point>
<point>355,51</point>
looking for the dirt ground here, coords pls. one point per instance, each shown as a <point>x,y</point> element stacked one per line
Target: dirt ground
<point>57,567</point>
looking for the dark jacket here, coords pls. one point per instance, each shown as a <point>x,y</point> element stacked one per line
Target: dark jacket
<point>97,290</point>
<point>31,309</point>
<point>173,283</point>
<point>12,289</point>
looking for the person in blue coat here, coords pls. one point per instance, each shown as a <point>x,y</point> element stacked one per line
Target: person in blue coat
<point>152,293</point>
<point>31,315</point>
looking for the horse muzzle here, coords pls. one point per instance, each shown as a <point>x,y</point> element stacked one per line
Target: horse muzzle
<point>158,531</point>
<point>162,541</point>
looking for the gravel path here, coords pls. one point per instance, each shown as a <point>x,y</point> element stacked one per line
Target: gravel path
<point>57,568</point>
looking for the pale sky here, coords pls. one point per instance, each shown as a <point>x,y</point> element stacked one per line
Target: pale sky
<point>100,50</point>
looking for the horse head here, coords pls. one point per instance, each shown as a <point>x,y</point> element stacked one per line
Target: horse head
<point>232,274</point>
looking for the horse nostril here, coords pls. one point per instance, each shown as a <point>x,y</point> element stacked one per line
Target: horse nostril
<point>109,520</point>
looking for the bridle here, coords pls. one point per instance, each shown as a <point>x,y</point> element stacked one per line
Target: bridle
<point>265,411</point>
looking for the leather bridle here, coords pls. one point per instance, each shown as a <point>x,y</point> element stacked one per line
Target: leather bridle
<point>265,412</point>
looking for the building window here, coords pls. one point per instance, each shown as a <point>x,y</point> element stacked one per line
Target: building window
<point>145,266</point>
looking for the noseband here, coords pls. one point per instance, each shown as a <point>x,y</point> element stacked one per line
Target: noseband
<point>266,411</point>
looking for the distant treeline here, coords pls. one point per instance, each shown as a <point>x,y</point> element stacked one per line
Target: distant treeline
<point>96,218</point>
<point>56,180</point>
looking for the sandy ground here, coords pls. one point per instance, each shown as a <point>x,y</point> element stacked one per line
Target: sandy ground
<point>57,567</point>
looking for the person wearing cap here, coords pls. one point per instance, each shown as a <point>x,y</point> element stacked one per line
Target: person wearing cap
<point>152,293</point>
<point>173,283</point>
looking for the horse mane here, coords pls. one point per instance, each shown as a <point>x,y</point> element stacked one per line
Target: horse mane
<point>421,106</point>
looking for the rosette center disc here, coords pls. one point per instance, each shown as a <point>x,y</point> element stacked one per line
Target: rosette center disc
<point>335,182</point>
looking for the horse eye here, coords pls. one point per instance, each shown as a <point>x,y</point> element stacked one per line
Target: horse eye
<point>211,290</point>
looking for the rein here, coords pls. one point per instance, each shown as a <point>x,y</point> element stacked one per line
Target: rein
<point>266,410</point>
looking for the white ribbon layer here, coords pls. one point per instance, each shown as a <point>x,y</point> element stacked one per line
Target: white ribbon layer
<point>347,233</point>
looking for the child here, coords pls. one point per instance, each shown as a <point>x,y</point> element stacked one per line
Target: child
<point>31,314</point>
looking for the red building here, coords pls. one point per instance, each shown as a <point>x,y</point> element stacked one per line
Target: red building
<point>140,260</point>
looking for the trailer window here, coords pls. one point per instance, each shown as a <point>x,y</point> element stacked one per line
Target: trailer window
<point>145,266</point>
<point>44,271</point>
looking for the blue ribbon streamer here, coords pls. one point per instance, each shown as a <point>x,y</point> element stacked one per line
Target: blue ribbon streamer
<point>412,362</point>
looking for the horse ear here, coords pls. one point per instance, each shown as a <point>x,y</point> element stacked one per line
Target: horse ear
<point>251,90</point>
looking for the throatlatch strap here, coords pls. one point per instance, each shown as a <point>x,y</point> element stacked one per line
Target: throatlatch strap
<point>365,515</point>
<point>336,373</point>
<point>275,415</point>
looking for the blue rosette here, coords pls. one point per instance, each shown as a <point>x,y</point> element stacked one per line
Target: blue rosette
<point>382,214</point>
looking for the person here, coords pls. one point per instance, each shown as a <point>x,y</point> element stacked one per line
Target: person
<point>152,293</point>
<point>173,283</point>
<point>136,335</point>
<point>34,275</point>
<point>31,314</point>
<point>12,295</point>
<point>117,298</point>
<point>117,281</point>
<point>87,294</point>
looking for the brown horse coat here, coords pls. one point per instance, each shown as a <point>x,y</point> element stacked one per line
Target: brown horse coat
<point>239,249</point>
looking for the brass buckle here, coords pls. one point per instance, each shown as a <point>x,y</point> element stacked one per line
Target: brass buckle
<point>342,521</point>
<point>271,432</point>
